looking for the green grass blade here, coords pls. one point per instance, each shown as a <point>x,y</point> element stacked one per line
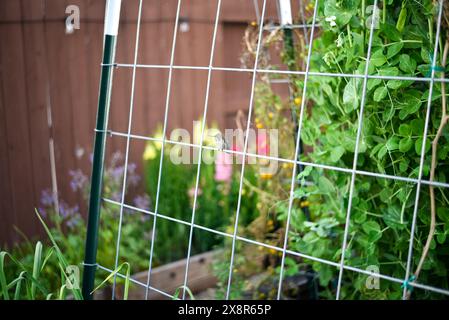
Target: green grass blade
<point>178,291</point>
<point>47,257</point>
<point>113,273</point>
<point>62,261</point>
<point>19,285</point>
<point>62,292</point>
<point>36,267</point>
<point>3,283</point>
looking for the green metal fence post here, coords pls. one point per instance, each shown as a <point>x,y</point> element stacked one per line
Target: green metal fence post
<point>112,18</point>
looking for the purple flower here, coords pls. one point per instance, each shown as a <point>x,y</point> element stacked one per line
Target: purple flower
<point>116,196</point>
<point>47,198</point>
<point>116,158</point>
<point>42,212</point>
<point>79,180</point>
<point>117,173</point>
<point>142,202</point>
<point>66,211</point>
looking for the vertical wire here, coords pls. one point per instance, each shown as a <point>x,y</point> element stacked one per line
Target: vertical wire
<point>128,139</point>
<point>423,152</point>
<point>259,42</point>
<point>206,104</point>
<point>167,103</point>
<point>356,150</point>
<point>298,139</point>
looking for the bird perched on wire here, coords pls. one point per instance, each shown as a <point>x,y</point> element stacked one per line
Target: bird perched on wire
<point>220,142</point>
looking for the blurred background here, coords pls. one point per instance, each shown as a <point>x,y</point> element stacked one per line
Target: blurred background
<point>49,88</point>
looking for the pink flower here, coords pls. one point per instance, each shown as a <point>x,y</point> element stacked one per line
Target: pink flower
<point>262,145</point>
<point>223,166</point>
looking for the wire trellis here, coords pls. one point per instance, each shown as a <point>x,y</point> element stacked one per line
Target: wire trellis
<point>354,171</point>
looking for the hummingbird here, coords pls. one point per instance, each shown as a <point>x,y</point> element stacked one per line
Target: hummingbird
<point>220,142</point>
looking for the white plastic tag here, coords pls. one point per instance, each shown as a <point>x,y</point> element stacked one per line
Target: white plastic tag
<point>285,11</point>
<point>112,18</point>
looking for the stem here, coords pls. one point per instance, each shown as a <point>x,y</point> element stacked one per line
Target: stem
<point>348,27</point>
<point>444,121</point>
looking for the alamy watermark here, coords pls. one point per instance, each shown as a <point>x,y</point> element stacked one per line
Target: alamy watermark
<point>227,147</point>
<point>73,277</point>
<point>72,22</point>
<point>373,281</point>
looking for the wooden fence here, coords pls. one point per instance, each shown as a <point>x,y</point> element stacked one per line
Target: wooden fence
<point>42,68</point>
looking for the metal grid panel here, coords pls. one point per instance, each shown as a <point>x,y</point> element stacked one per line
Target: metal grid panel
<point>341,266</point>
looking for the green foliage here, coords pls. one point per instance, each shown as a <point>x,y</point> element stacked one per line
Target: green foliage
<point>215,207</point>
<point>391,141</point>
<point>30,279</point>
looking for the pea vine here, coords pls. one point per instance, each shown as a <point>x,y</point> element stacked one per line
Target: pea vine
<point>391,143</point>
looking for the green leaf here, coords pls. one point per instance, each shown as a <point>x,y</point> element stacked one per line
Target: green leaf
<point>417,126</point>
<point>61,259</point>
<point>407,64</point>
<point>186,289</point>
<point>391,32</point>
<point>405,144</point>
<point>36,267</point>
<point>380,93</point>
<point>425,55</point>
<point>350,97</point>
<point>403,166</point>
<point>418,146</point>
<point>3,283</point>
<point>115,272</point>
<point>394,84</point>
<point>441,238</point>
<point>372,83</point>
<point>371,227</point>
<point>394,49</point>
<point>382,152</point>
<point>389,71</point>
<point>402,18</point>
<point>305,173</point>
<point>443,214</point>
<point>378,58</point>
<point>325,185</point>
<point>337,153</point>
<point>392,143</point>
<point>405,129</point>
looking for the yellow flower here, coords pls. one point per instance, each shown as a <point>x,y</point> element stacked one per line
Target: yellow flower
<point>150,152</point>
<point>304,204</point>
<point>270,115</point>
<point>297,101</point>
<point>259,125</point>
<point>266,176</point>
<point>272,251</point>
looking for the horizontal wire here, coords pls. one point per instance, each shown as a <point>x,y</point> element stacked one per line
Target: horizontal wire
<point>274,71</point>
<point>304,163</point>
<point>139,283</point>
<point>289,26</point>
<point>265,245</point>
